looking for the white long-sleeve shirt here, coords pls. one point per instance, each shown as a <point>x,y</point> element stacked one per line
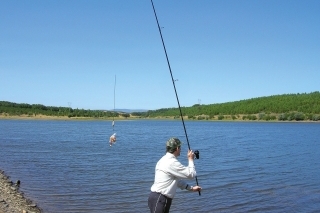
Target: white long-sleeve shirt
<point>169,173</point>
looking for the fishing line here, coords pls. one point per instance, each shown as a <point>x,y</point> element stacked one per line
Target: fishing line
<point>174,85</point>
<point>114,102</point>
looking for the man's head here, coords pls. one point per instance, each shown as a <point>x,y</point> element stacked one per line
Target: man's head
<point>173,145</point>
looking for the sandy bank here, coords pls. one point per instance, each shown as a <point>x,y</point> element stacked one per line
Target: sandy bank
<point>12,199</point>
<point>66,118</point>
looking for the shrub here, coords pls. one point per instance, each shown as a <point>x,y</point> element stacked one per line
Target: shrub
<point>309,116</point>
<point>299,116</point>
<point>270,117</point>
<point>316,117</point>
<point>261,116</point>
<point>282,117</point>
<point>252,117</point>
<point>201,117</point>
<point>220,117</point>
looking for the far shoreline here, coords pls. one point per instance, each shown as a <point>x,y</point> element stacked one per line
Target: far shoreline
<point>66,118</point>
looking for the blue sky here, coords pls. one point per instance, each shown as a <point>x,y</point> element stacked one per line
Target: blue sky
<point>61,53</point>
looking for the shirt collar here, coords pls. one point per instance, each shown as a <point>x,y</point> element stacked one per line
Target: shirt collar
<point>170,155</point>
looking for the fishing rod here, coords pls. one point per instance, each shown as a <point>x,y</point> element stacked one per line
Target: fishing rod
<point>174,86</point>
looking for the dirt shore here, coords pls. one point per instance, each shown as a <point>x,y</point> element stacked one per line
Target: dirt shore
<point>12,200</point>
<point>64,118</point>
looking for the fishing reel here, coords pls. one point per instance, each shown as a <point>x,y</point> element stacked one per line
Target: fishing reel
<point>196,154</point>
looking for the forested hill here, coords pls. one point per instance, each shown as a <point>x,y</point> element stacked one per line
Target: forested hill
<point>33,110</point>
<point>303,106</point>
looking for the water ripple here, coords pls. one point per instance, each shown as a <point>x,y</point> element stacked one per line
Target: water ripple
<point>69,167</point>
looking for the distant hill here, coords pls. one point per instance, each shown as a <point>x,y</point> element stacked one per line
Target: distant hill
<point>130,110</point>
<point>301,106</point>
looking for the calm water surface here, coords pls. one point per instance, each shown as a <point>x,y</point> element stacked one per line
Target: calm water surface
<point>69,167</point>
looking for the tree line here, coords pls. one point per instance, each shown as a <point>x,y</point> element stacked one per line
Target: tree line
<point>304,106</point>
<point>16,109</point>
<point>287,107</point>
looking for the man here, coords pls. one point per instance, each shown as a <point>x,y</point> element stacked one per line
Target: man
<point>112,139</point>
<point>169,173</point>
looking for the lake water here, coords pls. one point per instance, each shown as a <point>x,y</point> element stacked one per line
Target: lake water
<point>69,167</point>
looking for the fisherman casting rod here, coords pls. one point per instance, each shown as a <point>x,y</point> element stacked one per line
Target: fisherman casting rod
<point>174,85</point>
